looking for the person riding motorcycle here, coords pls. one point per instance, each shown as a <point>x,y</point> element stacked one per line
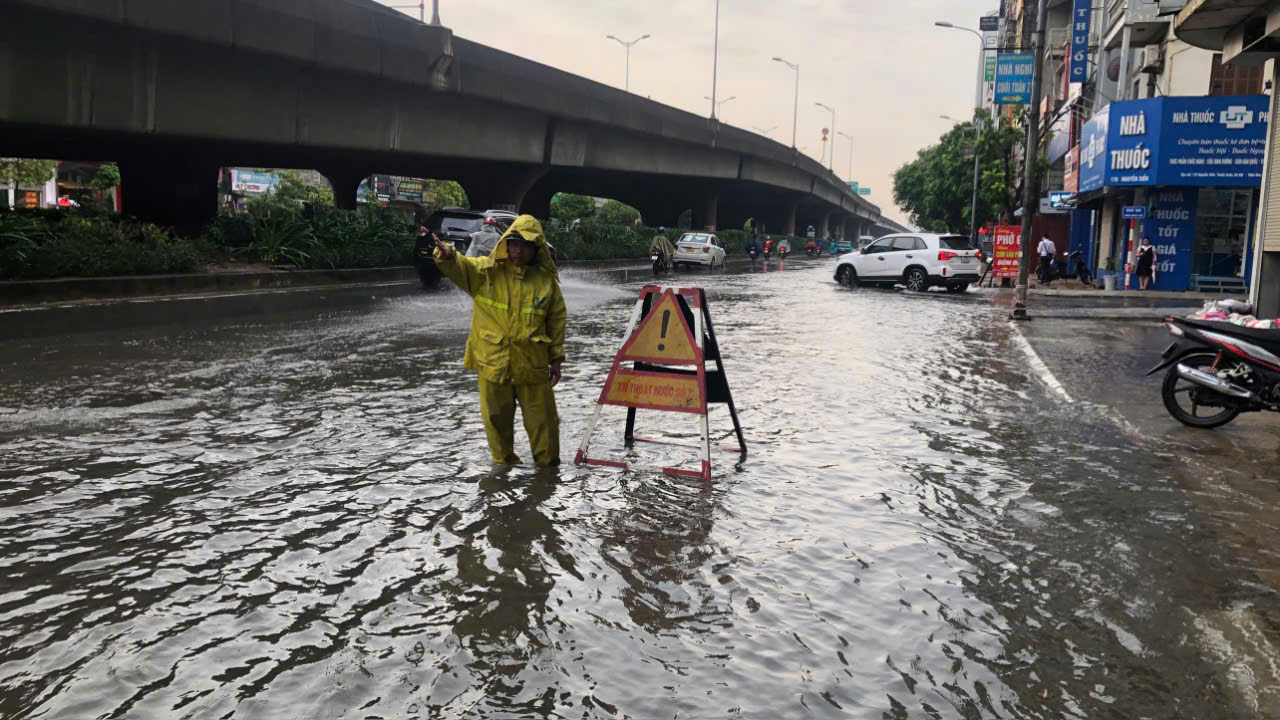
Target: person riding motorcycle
<point>768,246</point>
<point>484,241</point>
<point>661,245</point>
<point>784,247</point>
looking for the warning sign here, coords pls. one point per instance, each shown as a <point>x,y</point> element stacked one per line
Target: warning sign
<point>654,391</point>
<point>670,328</point>
<point>663,337</point>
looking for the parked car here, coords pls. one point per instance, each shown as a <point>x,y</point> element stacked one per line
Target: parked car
<point>917,260</point>
<point>455,225</point>
<point>840,247</point>
<point>695,248</point>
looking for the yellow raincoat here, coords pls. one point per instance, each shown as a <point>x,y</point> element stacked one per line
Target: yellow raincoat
<point>517,330</point>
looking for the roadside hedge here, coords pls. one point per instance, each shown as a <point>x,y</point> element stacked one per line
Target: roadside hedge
<point>37,244</point>
<point>50,243</point>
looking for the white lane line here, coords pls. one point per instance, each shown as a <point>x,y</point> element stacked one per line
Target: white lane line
<point>1038,366</point>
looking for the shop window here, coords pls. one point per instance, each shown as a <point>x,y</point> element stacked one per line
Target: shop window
<point>1234,79</point>
<point>1222,219</point>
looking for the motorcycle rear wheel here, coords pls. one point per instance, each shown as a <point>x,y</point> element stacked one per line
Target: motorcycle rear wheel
<point>1175,391</point>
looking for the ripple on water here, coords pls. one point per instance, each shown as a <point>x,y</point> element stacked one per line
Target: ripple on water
<point>295,517</point>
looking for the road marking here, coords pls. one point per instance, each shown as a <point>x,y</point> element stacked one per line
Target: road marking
<point>212,295</point>
<point>1038,366</point>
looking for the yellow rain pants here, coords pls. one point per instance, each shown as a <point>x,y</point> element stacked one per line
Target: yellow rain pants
<point>537,408</point>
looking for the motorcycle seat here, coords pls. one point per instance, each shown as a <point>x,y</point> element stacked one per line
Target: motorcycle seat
<point>1269,339</point>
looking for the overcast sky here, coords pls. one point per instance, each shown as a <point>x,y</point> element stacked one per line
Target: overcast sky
<point>882,64</point>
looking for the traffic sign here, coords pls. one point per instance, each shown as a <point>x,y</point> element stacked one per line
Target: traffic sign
<point>663,337</point>
<point>668,373</point>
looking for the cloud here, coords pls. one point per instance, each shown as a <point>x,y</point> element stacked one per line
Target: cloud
<point>882,64</point>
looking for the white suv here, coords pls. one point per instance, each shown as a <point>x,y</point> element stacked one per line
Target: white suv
<point>695,248</point>
<point>917,260</point>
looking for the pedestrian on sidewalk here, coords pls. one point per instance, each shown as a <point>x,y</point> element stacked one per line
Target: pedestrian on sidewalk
<point>1147,258</point>
<point>516,344</point>
<point>1047,252</point>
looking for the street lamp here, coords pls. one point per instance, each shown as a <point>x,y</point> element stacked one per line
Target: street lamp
<point>977,140</point>
<point>850,139</point>
<point>982,54</point>
<point>720,103</point>
<point>832,159</point>
<point>627,45</point>
<point>795,113</point>
<point>715,62</point>
<point>422,9</point>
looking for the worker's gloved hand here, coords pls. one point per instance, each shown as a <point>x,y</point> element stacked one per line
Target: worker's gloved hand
<point>444,250</point>
<point>556,371</point>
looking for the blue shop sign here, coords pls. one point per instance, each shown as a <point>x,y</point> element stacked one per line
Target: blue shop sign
<point>1081,19</point>
<point>1190,141</point>
<point>1013,78</point>
<point>1172,228</point>
<point>1133,212</point>
<point>1093,151</point>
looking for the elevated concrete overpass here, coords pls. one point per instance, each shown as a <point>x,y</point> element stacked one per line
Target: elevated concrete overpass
<point>173,90</point>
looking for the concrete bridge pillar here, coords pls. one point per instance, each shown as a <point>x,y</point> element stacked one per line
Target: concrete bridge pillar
<point>824,223</point>
<point>704,213</point>
<point>789,218</point>
<point>345,183</point>
<point>180,191</point>
<point>502,188</point>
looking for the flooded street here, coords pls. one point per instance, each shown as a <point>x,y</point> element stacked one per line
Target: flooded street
<point>292,514</point>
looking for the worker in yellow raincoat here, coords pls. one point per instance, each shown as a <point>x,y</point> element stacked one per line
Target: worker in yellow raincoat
<point>517,336</point>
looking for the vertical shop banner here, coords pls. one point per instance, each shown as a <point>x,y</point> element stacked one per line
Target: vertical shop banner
<point>1071,170</point>
<point>1081,18</point>
<point>1093,151</point>
<point>1007,251</point>
<point>1013,78</point>
<point>1171,225</point>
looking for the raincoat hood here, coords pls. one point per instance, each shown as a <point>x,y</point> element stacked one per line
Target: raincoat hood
<point>530,230</point>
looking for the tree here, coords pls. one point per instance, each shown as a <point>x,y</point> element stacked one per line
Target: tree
<point>616,213</point>
<point>25,171</point>
<point>936,189</point>
<point>107,177</point>
<point>567,207</point>
<point>294,190</point>
<point>444,193</point>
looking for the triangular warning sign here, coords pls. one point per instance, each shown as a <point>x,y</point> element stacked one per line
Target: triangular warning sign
<point>663,338</point>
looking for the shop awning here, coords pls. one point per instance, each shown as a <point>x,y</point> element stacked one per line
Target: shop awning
<point>1206,23</point>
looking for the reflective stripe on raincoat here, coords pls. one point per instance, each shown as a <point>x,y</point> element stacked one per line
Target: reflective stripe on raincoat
<point>517,327</point>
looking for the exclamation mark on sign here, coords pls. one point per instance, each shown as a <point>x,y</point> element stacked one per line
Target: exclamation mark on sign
<point>666,318</point>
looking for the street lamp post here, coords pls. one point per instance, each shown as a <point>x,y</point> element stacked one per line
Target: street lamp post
<point>795,113</point>
<point>715,61</point>
<point>422,8</point>
<point>977,144</point>
<point>982,54</point>
<point>831,161</point>
<point>720,104</point>
<point>627,45</point>
<point>850,139</point>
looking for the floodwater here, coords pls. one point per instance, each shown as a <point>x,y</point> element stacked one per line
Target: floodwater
<point>292,514</point>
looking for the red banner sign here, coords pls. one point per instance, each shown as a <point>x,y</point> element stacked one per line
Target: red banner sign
<point>1008,251</point>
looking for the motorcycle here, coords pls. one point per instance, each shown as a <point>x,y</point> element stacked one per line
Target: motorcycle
<point>659,262</point>
<point>754,252</point>
<point>1082,272</point>
<point>1219,366</point>
<point>812,250</point>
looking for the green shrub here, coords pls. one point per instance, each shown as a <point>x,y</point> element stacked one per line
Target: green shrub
<point>324,237</point>
<point>53,243</point>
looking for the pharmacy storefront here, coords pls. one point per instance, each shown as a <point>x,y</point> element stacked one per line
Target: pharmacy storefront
<point>1193,165</point>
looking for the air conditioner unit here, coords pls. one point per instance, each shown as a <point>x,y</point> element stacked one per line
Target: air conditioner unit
<point>1152,59</point>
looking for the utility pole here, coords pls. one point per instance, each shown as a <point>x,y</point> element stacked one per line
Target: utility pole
<point>1030,189</point>
<point>979,117</point>
<point>715,62</point>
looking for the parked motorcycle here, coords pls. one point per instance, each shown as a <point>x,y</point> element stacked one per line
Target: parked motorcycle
<point>1082,272</point>
<point>1219,367</point>
<point>659,262</point>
